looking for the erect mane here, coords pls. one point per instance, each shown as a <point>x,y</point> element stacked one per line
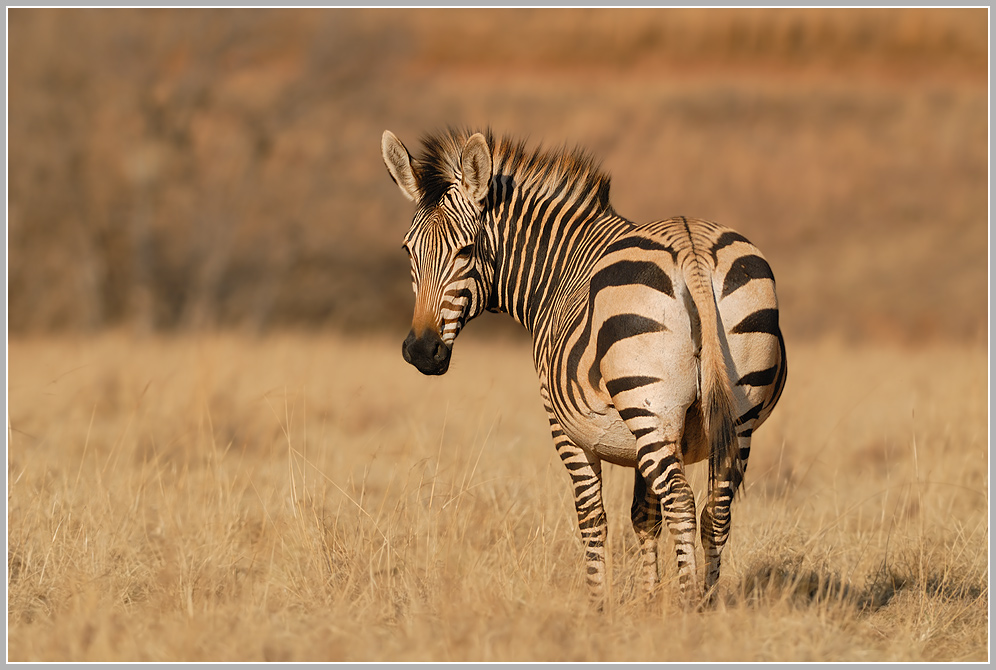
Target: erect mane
<point>573,174</point>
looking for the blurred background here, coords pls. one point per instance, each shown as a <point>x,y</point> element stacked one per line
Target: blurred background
<point>177,169</point>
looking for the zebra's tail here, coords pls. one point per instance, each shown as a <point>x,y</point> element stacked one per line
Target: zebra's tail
<point>718,405</point>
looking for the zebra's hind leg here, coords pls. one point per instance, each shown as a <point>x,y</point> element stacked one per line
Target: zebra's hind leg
<point>646,516</point>
<point>716,517</point>
<point>659,462</point>
<point>715,530</point>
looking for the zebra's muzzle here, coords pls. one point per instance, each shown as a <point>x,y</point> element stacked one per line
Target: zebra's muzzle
<point>427,352</point>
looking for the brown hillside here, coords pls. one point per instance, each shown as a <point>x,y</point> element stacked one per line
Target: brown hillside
<point>189,168</point>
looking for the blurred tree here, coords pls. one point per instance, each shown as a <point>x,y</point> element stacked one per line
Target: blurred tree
<point>194,168</point>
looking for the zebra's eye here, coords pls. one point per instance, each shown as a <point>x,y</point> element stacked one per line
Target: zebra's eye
<point>466,252</point>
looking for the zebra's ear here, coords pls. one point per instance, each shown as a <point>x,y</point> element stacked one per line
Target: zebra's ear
<point>399,164</point>
<point>475,166</point>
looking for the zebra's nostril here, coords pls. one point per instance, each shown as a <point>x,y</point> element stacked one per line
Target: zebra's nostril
<point>406,347</point>
<point>439,355</point>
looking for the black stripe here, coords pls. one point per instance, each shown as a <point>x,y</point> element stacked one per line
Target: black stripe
<point>620,327</point>
<point>539,265</point>
<point>450,299</point>
<point>586,498</point>
<point>617,386</point>
<point>654,473</point>
<point>525,243</point>
<point>574,356</point>
<point>782,372</point>
<point>761,321</point>
<point>626,273</point>
<point>574,217</point>
<point>743,270</point>
<point>752,413</point>
<point>628,413</point>
<point>590,523</point>
<point>513,242</point>
<point>759,378</point>
<point>644,243</point>
<point>725,240</point>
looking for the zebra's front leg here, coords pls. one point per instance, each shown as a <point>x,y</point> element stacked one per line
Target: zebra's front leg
<point>646,516</point>
<point>585,470</point>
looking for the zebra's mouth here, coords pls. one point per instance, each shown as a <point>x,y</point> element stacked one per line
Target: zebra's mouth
<point>427,352</point>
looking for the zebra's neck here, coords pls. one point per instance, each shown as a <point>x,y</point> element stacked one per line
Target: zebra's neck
<point>544,245</point>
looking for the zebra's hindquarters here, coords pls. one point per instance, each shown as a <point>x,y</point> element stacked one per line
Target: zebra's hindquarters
<point>746,327</point>
<point>741,313</point>
<point>747,307</point>
<point>691,357</point>
<point>742,354</point>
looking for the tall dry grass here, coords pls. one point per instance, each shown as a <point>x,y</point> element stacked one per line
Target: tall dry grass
<point>313,498</point>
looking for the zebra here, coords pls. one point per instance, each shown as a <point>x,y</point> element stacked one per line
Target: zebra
<point>656,345</point>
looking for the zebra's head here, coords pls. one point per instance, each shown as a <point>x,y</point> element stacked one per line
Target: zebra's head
<point>450,188</point>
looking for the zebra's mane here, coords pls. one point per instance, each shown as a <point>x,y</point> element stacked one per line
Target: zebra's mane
<point>571,174</point>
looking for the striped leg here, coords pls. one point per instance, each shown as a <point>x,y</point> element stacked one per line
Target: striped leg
<point>716,516</point>
<point>646,516</point>
<point>715,531</point>
<point>659,462</point>
<point>586,477</point>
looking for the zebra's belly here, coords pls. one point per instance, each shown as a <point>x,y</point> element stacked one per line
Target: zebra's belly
<point>605,435</point>
<point>608,437</point>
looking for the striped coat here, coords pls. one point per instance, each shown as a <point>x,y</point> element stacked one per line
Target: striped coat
<point>656,345</point>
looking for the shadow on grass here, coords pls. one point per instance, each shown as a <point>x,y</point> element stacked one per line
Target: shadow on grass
<point>791,582</point>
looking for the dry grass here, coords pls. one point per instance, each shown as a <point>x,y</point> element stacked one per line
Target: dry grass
<point>313,498</point>
<point>305,497</point>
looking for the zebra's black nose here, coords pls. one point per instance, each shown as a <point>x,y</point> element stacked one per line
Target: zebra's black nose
<point>427,352</point>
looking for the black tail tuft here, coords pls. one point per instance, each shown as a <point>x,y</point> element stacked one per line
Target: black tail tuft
<point>725,463</point>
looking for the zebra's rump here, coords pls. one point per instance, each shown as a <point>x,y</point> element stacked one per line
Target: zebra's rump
<point>638,338</point>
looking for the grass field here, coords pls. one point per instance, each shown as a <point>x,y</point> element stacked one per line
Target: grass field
<point>313,498</point>
<point>282,492</point>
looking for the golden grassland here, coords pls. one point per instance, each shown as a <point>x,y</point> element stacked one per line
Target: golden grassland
<point>219,497</point>
<point>271,495</point>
